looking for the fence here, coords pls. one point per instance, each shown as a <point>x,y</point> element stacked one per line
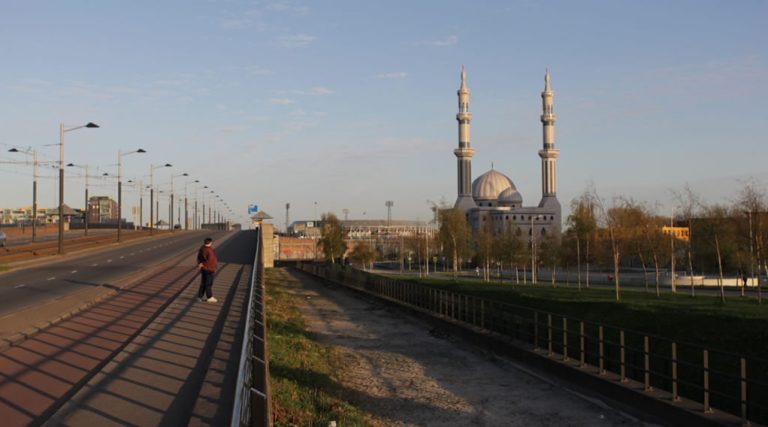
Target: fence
<point>252,399</point>
<point>711,378</point>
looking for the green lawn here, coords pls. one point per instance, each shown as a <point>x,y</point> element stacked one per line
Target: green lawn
<point>740,325</point>
<point>302,371</point>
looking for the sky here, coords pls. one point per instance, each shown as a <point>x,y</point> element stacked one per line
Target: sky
<point>333,105</point>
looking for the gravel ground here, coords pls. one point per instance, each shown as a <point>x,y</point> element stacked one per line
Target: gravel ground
<point>404,373</point>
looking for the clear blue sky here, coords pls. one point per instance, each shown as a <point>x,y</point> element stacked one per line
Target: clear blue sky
<point>352,103</point>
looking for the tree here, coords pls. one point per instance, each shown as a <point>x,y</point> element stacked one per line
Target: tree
<point>332,238</point>
<point>363,253</point>
<point>688,202</point>
<point>454,235</point>
<point>550,250</point>
<point>715,226</point>
<point>508,248</point>
<point>484,251</point>
<point>752,199</point>
<point>582,223</point>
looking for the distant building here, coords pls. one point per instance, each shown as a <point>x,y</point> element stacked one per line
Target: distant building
<point>679,233</point>
<point>366,229</point>
<point>102,210</point>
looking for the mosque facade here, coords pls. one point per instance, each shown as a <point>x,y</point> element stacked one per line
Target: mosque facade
<point>491,201</point>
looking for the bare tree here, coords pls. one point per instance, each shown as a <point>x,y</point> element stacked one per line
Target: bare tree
<point>582,223</point>
<point>688,202</point>
<point>454,235</point>
<point>753,200</point>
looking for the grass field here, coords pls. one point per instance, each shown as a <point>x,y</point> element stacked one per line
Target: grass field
<point>740,325</point>
<point>303,372</point>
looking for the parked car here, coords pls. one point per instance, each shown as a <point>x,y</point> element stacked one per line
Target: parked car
<point>3,238</point>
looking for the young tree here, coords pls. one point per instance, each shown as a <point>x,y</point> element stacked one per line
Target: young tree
<point>508,249</point>
<point>484,251</point>
<point>550,251</point>
<point>752,200</point>
<point>454,235</point>
<point>715,225</point>
<point>363,253</point>
<point>332,238</point>
<point>582,223</point>
<point>688,202</point>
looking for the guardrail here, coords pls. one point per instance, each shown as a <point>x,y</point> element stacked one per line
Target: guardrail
<point>251,407</point>
<point>703,376</point>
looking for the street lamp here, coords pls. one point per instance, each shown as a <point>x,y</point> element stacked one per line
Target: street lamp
<point>63,130</point>
<point>141,203</point>
<point>87,204</point>
<point>152,195</point>
<point>120,156</point>
<point>170,215</point>
<point>32,153</point>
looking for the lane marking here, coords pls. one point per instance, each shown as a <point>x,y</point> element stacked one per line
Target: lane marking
<point>109,260</point>
<point>94,265</point>
<point>73,272</point>
<point>19,286</point>
<point>121,257</point>
<point>51,278</point>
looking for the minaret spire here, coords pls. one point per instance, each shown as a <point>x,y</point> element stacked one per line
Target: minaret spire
<point>464,153</point>
<point>548,153</point>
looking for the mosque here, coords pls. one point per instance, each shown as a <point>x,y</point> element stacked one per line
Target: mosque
<point>492,201</point>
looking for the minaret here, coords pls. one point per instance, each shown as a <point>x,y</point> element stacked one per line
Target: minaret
<point>548,153</point>
<point>464,153</point>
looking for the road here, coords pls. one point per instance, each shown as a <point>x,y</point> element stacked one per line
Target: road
<point>32,286</point>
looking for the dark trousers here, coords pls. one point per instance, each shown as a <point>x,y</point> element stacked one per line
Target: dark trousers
<point>206,283</point>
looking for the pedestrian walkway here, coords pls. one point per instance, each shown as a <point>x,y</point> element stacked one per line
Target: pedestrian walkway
<point>151,355</point>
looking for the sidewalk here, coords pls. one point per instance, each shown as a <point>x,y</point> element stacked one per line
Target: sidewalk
<point>141,357</point>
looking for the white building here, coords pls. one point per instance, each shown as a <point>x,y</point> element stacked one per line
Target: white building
<point>492,201</point>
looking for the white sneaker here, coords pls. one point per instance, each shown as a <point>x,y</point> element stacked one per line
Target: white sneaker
<point>212,299</point>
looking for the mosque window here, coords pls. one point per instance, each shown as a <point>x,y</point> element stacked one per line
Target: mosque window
<point>507,218</point>
<point>552,217</point>
<point>514,217</point>
<point>543,232</point>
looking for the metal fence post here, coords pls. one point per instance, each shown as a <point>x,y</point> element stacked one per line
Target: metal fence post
<point>622,357</point>
<point>601,346</point>
<point>744,414</point>
<point>647,363</point>
<point>565,338</point>
<point>482,313</point>
<point>549,334</point>
<point>705,355</point>
<point>582,356</point>
<point>535,330</point>
<point>675,395</point>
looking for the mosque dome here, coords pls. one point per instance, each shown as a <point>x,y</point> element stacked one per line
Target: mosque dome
<point>489,185</point>
<point>510,196</point>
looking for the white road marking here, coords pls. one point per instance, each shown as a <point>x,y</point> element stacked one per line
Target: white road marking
<point>74,271</point>
<point>121,257</point>
<point>19,286</point>
<point>94,265</point>
<point>51,278</point>
<point>109,260</point>
<point>132,253</point>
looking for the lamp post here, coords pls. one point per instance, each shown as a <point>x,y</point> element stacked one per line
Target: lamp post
<point>170,215</point>
<point>63,130</point>
<point>120,156</point>
<point>152,195</point>
<point>195,220</point>
<point>141,203</point>
<point>87,204</point>
<point>32,153</point>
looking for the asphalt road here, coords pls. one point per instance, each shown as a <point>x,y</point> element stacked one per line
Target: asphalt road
<point>31,286</point>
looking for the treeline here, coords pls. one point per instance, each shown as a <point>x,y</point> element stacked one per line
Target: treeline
<point>722,239</point>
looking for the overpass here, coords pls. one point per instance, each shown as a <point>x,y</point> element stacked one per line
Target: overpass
<point>139,348</point>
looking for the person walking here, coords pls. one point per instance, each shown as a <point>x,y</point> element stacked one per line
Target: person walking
<point>206,262</point>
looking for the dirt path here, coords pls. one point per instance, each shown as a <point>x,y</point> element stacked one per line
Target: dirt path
<point>403,373</point>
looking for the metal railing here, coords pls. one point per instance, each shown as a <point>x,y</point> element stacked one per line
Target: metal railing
<point>252,399</point>
<point>713,378</point>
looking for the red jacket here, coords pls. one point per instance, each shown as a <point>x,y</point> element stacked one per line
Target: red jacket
<point>207,257</point>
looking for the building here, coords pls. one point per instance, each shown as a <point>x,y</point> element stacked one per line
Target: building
<point>366,229</point>
<point>680,233</point>
<point>492,201</point>
<point>102,210</point>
